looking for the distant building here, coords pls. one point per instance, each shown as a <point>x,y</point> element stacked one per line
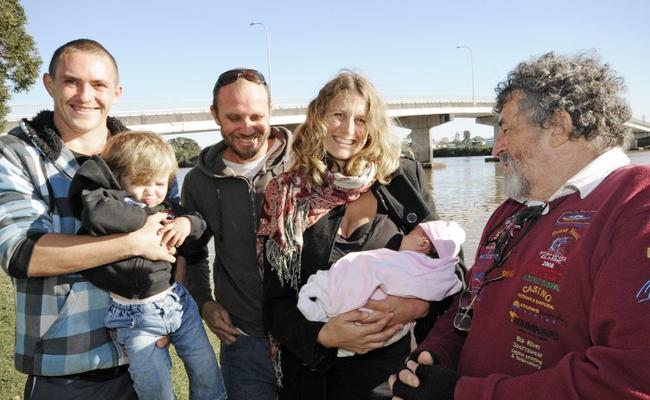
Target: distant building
<point>478,141</point>
<point>441,143</point>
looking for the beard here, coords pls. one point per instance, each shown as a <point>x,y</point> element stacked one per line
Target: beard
<point>246,153</point>
<point>515,183</point>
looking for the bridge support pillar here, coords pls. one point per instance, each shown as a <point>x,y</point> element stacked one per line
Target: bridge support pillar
<point>492,121</point>
<point>420,127</point>
<point>421,145</point>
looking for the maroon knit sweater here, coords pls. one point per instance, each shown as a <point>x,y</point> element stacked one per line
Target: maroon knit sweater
<point>571,318</point>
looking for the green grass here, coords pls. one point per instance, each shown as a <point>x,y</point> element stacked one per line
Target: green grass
<point>12,382</point>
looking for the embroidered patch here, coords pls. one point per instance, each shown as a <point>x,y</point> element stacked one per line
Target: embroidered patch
<point>527,352</point>
<point>542,282</point>
<point>575,218</point>
<point>538,291</point>
<point>508,273</point>
<point>573,232</point>
<point>554,259</point>
<point>532,328</point>
<point>547,271</point>
<point>643,294</point>
<point>555,255</point>
<point>558,244</point>
<point>534,300</point>
<point>535,312</point>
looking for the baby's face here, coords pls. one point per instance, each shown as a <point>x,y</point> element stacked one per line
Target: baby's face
<point>152,192</point>
<point>416,240</point>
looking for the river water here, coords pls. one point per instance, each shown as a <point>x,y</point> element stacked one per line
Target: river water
<point>467,190</point>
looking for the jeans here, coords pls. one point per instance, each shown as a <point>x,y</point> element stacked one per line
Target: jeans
<point>138,327</point>
<point>247,369</point>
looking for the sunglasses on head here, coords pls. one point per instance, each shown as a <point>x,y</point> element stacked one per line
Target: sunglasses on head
<point>233,75</point>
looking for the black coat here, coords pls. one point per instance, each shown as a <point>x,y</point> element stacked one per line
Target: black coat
<point>306,365</point>
<point>103,208</point>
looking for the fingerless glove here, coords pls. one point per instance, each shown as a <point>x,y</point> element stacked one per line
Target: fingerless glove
<point>436,383</point>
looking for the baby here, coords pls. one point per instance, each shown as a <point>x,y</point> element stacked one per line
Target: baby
<point>410,272</point>
<point>115,193</point>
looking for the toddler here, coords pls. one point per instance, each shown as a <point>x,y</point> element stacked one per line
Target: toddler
<point>115,193</point>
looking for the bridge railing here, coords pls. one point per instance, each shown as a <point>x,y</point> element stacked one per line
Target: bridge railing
<point>286,111</point>
<point>19,111</point>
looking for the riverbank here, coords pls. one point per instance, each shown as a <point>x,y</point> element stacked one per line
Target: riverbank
<point>462,151</point>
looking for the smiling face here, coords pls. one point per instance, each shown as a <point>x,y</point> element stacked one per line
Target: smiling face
<point>243,114</point>
<point>347,131</point>
<point>84,88</point>
<point>152,191</point>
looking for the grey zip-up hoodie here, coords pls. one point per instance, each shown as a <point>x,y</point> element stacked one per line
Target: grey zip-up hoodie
<point>230,205</point>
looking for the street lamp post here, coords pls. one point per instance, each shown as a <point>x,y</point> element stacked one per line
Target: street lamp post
<point>471,59</point>
<point>268,49</point>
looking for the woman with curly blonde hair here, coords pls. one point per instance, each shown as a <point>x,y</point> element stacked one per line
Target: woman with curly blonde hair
<point>348,190</point>
<point>380,147</point>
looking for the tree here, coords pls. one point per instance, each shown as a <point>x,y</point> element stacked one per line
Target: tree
<point>456,139</point>
<point>467,138</point>
<point>186,150</point>
<point>19,59</point>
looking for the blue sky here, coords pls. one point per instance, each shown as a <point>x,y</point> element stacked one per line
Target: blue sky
<point>170,51</point>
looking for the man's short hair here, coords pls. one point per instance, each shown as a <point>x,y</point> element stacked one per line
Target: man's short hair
<point>588,90</point>
<point>82,45</point>
<point>232,76</point>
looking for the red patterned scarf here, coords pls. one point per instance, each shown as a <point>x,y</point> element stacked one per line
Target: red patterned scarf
<point>291,205</point>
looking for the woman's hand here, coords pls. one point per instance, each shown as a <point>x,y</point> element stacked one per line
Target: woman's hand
<point>357,331</point>
<point>404,310</point>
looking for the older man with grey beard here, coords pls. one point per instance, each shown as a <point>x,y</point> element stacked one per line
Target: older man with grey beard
<point>557,301</point>
<point>514,181</point>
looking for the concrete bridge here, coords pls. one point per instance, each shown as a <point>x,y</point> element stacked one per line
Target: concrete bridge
<point>417,115</point>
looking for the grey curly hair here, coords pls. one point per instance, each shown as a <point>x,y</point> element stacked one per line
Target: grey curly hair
<point>587,89</point>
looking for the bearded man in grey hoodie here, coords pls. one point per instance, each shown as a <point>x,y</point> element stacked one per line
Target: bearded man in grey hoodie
<point>227,189</point>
